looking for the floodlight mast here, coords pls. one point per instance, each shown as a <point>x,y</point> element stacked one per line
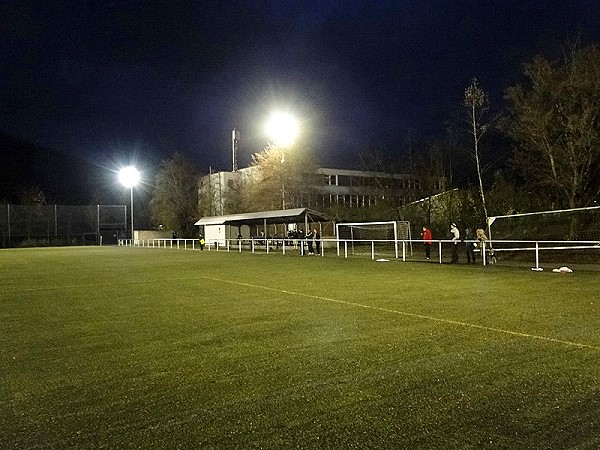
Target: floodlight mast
<point>235,138</point>
<point>130,177</point>
<point>131,191</point>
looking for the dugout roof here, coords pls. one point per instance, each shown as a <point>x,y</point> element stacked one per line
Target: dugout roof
<point>295,215</point>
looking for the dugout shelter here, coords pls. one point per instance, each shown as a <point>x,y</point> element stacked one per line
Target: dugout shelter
<point>219,229</point>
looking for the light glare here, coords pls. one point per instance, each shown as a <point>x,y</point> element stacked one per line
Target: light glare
<point>282,128</point>
<point>129,176</point>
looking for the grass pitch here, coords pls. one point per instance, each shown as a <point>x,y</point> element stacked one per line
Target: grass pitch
<point>145,348</point>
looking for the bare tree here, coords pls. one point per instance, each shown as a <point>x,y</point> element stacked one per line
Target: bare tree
<point>174,201</point>
<point>33,195</point>
<point>555,120</point>
<point>279,177</point>
<point>476,103</point>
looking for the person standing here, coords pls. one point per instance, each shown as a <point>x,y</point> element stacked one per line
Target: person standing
<point>300,237</point>
<point>309,241</point>
<point>317,241</point>
<point>470,246</point>
<point>455,240</point>
<point>482,238</point>
<point>427,241</point>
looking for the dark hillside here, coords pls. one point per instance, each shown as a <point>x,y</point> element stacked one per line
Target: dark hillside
<point>63,179</point>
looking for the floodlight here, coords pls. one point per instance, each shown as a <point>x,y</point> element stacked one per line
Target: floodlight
<point>129,176</point>
<point>282,128</point>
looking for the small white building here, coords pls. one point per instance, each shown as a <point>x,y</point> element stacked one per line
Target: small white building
<point>219,229</point>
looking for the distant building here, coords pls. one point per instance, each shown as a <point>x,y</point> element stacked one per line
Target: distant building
<point>325,188</point>
<point>215,189</point>
<point>360,189</point>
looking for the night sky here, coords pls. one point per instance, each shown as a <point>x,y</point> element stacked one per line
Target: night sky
<point>143,79</point>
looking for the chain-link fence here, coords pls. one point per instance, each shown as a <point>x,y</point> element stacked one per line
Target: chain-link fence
<point>40,225</point>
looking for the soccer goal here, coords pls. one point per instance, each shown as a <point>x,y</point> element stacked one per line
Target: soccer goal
<point>374,238</point>
<point>560,235</point>
<point>558,225</point>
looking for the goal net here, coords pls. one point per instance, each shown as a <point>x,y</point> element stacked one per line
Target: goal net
<point>579,224</point>
<point>380,238</point>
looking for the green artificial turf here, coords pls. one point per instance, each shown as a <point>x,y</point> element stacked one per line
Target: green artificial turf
<point>120,347</point>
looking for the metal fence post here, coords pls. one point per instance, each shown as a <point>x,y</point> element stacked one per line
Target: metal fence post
<point>483,253</point>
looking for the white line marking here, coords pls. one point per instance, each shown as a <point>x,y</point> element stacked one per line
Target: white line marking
<point>407,314</point>
<point>358,305</point>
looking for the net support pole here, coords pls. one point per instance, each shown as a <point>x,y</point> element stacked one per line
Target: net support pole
<point>396,240</point>
<point>440,250</point>
<point>372,249</point>
<point>345,249</point>
<point>490,221</point>
<point>322,247</point>
<point>537,255</point>
<point>337,238</point>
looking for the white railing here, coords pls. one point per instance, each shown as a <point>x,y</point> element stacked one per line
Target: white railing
<point>400,249</point>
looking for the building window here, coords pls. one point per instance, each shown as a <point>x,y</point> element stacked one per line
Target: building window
<point>343,180</point>
<point>370,181</point>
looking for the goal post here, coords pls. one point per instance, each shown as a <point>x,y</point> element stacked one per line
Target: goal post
<point>372,237</point>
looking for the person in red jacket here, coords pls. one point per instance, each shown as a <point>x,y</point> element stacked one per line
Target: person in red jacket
<point>427,238</point>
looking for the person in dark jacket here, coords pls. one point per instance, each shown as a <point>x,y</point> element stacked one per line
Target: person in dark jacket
<point>317,241</point>
<point>470,246</point>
